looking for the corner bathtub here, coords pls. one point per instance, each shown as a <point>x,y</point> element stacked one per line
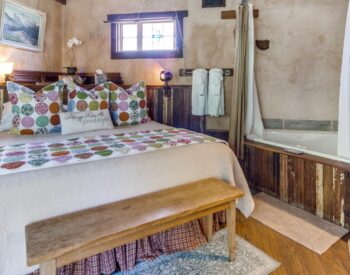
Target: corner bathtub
<point>321,144</point>
<point>312,177</point>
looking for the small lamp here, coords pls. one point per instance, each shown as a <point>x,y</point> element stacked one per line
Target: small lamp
<point>166,76</point>
<point>6,68</point>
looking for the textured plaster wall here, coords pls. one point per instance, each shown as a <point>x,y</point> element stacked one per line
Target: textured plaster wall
<point>51,58</point>
<point>208,40</point>
<point>298,78</point>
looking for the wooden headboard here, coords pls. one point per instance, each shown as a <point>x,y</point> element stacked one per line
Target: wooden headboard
<point>37,80</point>
<point>35,77</point>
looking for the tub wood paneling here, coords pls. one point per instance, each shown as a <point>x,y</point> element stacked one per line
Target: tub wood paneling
<point>308,183</point>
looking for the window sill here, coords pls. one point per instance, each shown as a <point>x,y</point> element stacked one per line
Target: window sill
<point>147,55</point>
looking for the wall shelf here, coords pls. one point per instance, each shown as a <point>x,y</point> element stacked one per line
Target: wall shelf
<point>188,72</point>
<point>232,14</point>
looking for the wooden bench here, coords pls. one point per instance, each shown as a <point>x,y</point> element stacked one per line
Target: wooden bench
<point>62,240</point>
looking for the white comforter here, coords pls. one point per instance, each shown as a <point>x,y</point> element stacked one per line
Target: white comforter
<point>33,196</point>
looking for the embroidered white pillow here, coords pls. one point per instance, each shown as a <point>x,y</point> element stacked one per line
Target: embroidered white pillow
<point>78,122</point>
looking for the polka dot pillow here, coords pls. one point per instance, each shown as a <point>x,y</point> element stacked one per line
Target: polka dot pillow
<point>128,107</point>
<point>81,100</point>
<point>35,113</point>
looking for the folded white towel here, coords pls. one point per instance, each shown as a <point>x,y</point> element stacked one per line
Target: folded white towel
<point>199,91</point>
<point>216,95</point>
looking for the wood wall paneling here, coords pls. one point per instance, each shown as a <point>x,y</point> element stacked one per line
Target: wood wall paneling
<point>310,185</point>
<point>345,198</point>
<point>328,192</point>
<point>175,110</point>
<point>318,188</point>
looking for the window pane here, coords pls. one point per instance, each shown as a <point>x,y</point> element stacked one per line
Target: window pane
<point>129,44</point>
<point>168,43</point>
<point>169,28</point>
<point>129,30</point>
<point>158,36</point>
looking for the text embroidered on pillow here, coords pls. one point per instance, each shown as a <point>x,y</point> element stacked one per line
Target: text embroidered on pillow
<point>128,107</point>
<point>35,113</point>
<point>78,122</point>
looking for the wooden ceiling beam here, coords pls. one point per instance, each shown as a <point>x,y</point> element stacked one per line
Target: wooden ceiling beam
<point>63,2</point>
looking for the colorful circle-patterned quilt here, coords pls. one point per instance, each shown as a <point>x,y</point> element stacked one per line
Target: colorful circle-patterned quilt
<point>33,156</point>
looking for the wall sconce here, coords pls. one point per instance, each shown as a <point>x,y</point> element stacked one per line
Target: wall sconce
<point>6,69</point>
<point>165,77</point>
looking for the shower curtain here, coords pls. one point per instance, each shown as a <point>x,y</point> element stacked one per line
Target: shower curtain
<point>245,115</point>
<point>344,99</point>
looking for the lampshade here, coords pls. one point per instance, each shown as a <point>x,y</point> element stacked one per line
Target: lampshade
<point>6,68</point>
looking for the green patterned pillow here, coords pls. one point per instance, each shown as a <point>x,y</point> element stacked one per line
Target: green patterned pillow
<point>81,100</point>
<point>35,113</point>
<point>128,107</point>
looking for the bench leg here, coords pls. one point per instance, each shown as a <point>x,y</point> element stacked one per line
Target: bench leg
<point>231,230</point>
<point>209,227</point>
<point>48,268</point>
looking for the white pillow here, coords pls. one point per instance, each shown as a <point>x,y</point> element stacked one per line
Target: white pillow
<point>6,117</point>
<point>78,122</point>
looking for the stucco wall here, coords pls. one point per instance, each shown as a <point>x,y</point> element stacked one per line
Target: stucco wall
<point>51,58</point>
<point>208,39</point>
<point>298,78</point>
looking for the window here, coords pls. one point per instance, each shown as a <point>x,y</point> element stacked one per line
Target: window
<point>147,35</point>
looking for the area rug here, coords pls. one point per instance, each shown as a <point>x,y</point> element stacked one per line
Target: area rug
<point>210,259</point>
<point>296,224</point>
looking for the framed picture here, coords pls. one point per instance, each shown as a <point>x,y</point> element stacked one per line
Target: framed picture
<point>213,3</point>
<point>21,26</point>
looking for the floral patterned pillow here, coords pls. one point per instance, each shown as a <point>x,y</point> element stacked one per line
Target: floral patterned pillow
<point>81,100</point>
<point>128,107</point>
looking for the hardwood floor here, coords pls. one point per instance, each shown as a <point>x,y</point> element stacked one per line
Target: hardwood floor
<point>295,259</point>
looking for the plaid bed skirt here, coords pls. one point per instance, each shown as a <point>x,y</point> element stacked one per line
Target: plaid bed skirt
<point>182,238</point>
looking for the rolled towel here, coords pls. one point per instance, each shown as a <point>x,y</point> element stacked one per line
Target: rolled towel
<point>216,93</point>
<point>199,91</point>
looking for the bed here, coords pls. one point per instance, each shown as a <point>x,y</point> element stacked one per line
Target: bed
<point>30,196</point>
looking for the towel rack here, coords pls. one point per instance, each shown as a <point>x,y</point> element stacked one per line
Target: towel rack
<point>188,72</point>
